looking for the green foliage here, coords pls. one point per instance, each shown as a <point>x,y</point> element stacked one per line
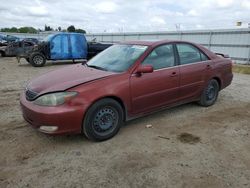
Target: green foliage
<point>71,28</point>
<point>48,28</point>
<point>80,31</point>
<point>27,30</point>
<point>19,30</point>
<point>74,30</point>
<point>244,69</point>
<point>13,29</point>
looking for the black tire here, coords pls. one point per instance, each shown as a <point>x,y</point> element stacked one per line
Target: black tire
<point>27,59</point>
<point>103,120</point>
<point>210,93</point>
<point>2,54</point>
<point>37,59</point>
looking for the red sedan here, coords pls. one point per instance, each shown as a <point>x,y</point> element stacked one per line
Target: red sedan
<point>125,81</point>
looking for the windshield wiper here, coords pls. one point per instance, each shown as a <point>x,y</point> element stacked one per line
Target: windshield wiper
<point>96,67</point>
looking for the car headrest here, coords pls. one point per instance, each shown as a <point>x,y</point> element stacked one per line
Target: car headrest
<point>161,51</point>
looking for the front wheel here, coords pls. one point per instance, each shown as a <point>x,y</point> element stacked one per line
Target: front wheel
<point>210,93</point>
<point>2,54</point>
<point>103,120</point>
<point>37,59</point>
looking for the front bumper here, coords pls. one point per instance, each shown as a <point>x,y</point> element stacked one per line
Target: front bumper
<point>66,118</point>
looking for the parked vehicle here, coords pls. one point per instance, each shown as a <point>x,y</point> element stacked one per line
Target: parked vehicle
<point>63,46</point>
<point>9,38</point>
<point>96,47</point>
<point>3,43</point>
<point>60,46</point>
<point>127,80</point>
<point>14,49</point>
<point>33,40</point>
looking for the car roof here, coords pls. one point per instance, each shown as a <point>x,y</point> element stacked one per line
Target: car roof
<point>154,43</point>
<point>147,42</point>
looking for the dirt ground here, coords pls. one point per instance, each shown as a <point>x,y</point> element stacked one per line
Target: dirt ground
<point>187,146</point>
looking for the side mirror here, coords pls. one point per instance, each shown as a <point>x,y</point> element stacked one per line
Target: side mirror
<point>145,69</point>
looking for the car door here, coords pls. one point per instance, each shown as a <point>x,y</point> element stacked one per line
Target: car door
<point>59,47</point>
<point>194,67</point>
<point>27,46</point>
<point>159,88</point>
<point>78,45</point>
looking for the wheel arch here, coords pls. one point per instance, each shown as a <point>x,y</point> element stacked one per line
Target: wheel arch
<point>115,98</point>
<point>218,80</point>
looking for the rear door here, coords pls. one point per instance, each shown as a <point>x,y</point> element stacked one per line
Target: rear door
<point>78,45</point>
<point>160,87</point>
<point>194,69</point>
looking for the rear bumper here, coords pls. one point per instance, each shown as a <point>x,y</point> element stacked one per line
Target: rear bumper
<point>227,81</point>
<point>67,118</point>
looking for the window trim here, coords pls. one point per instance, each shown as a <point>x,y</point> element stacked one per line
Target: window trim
<point>199,50</point>
<point>175,56</point>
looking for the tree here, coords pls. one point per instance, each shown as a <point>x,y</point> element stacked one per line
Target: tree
<point>13,29</point>
<point>48,28</point>
<point>27,30</point>
<point>71,28</point>
<point>20,30</point>
<point>59,28</point>
<point>80,31</point>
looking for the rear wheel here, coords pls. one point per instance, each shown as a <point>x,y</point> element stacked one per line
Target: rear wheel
<point>210,93</point>
<point>103,120</point>
<point>37,59</point>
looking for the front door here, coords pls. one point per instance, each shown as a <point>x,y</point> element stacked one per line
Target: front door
<point>59,47</point>
<point>159,88</point>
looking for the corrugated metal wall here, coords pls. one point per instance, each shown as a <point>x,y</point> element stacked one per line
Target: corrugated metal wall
<point>234,42</point>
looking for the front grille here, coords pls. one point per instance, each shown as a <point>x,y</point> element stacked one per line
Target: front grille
<point>30,95</point>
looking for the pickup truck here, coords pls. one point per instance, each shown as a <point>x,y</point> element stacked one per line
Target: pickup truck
<point>62,46</point>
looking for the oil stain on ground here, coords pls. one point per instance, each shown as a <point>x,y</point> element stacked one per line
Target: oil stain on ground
<point>188,138</point>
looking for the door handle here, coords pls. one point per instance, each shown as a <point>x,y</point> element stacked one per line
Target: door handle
<point>208,66</point>
<point>173,74</point>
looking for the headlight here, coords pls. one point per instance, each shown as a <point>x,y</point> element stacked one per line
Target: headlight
<point>54,99</point>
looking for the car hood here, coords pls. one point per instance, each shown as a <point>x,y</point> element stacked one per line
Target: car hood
<point>65,78</point>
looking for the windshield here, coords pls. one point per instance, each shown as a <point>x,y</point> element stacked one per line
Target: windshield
<point>117,58</point>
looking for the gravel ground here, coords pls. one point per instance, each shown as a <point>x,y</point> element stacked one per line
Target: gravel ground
<point>187,146</point>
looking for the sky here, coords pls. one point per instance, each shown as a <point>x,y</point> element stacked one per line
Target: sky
<point>97,16</point>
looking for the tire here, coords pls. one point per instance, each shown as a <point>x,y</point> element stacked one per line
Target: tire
<point>210,93</point>
<point>103,120</point>
<point>2,54</point>
<point>37,59</point>
<point>27,59</point>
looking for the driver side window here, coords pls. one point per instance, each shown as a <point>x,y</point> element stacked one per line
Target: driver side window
<point>161,57</point>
